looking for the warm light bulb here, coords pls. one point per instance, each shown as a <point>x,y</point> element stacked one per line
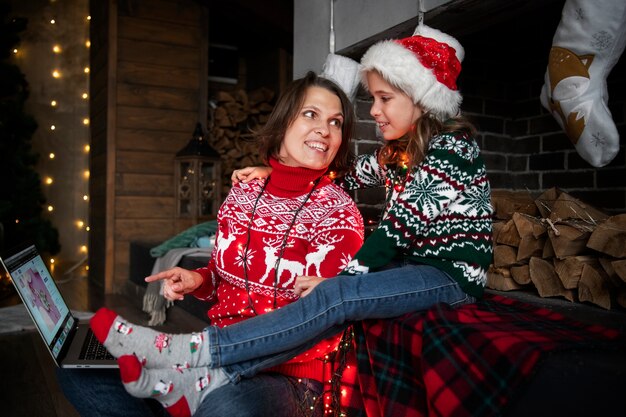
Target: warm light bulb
<point>56,74</point>
<point>56,49</point>
<point>87,148</point>
<point>88,43</point>
<point>85,121</point>
<point>52,21</point>
<point>53,127</point>
<point>51,260</point>
<point>80,224</point>
<point>86,267</point>
<point>17,221</point>
<point>53,103</point>
<point>86,174</point>
<point>85,96</point>
<point>88,17</point>
<point>83,249</point>
<point>50,208</point>
<point>49,180</point>
<point>51,155</point>
<point>86,197</point>
<point>87,228</point>
<point>86,70</point>
<point>15,51</point>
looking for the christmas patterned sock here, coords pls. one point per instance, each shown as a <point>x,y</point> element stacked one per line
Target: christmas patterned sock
<point>157,349</point>
<point>179,390</point>
<point>587,43</point>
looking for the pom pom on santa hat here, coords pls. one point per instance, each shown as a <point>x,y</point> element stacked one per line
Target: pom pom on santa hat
<point>425,66</point>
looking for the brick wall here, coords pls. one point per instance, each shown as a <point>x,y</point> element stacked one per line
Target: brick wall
<point>522,144</point>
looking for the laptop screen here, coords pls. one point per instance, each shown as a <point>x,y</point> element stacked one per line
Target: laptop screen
<point>41,296</point>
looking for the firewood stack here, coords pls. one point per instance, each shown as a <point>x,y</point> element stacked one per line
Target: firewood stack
<point>238,114</point>
<point>560,246</point>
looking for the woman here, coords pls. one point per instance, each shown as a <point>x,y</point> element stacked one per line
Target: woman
<point>269,231</point>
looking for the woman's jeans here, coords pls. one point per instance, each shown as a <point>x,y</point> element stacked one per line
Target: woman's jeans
<point>100,393</point>
<point>258,343</point>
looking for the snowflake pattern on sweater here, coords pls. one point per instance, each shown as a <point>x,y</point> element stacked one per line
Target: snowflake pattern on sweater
<point>441,216</point>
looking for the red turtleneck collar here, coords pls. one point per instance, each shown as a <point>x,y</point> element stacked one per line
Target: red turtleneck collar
<point>287,181</point>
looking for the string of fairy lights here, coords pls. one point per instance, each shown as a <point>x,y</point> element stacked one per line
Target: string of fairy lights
<point>65,53</point>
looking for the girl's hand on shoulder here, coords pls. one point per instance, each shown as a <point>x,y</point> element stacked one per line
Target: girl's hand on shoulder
<point>304,285</point>
<point>247,174</point>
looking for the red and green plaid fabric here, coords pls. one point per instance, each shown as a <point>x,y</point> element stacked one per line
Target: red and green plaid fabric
<point>460,362</point>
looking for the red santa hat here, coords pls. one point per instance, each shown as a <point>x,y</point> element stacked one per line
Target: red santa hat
<point>425,66</point>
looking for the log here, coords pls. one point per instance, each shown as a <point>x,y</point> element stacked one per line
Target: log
<point>532,236</point>
<point>546,280</point>
<point>508,234</point>
<point>500,279</point>
<point>567,207</point>
<point>571,241</point>
<point>504,255</point>
<point>505,203</point>
<point>548,250</point>
<point>620,268</point>
<point>521,274</point>
<point>593,287</point>
<point>495,229</point>
<point>609,237</point>
<point>570,269</point>
<point>545,202</point>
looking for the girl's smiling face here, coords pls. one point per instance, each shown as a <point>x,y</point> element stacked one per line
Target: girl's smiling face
<point>394,111</point>
<point>313,138</point>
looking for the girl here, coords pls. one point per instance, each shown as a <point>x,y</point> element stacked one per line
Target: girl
<point>432,245</point>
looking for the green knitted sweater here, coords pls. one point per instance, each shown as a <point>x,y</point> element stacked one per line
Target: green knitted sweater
<point>438,213</point>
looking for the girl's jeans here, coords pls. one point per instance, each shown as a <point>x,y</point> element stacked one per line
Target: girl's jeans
<point>258,343</point>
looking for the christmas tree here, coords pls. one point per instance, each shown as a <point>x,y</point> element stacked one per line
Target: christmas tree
<point>21,196</point>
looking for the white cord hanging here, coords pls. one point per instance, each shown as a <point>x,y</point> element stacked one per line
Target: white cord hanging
<point>332,27</point>
<point>420,16</point>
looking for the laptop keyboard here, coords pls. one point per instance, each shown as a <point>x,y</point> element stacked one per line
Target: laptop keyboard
<point>93,349</point>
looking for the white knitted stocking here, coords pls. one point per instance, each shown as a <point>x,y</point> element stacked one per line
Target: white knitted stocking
<point>588,42</point>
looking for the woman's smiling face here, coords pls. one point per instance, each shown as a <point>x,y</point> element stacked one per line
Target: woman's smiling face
<point>313,138</point>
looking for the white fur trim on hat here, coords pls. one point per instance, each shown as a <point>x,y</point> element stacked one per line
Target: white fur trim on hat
<point>402,69</point>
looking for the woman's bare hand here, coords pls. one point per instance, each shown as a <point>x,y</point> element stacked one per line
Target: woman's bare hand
<point>177,282</point>
<point>305,284</point>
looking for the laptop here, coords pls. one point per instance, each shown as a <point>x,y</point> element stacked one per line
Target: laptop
<point>71,344</point>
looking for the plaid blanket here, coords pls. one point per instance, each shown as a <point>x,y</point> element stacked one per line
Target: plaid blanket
<point>463,362</point>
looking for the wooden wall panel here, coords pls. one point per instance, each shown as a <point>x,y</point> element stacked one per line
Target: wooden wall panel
<point>135,95</point>
<point>144,162</point>
<point>183,12</point>
<point>158,31</point>
<point>156,119</point>
<point>158,54</point>
<point>148,91</point>
<point>139,207</point>
<point>122,264</point>
<point>144,230</point>
<point>145,184</point>
<point>152,140</point>
<point>137,73</point>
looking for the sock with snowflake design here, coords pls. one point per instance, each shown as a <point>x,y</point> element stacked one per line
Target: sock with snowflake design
<point>179,390</point>
<point>156,349</point>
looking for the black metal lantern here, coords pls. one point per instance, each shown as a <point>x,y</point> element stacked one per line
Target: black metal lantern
<point>198,179</point>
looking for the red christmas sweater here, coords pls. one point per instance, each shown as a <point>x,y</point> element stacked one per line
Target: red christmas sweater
<point>327,232</point>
